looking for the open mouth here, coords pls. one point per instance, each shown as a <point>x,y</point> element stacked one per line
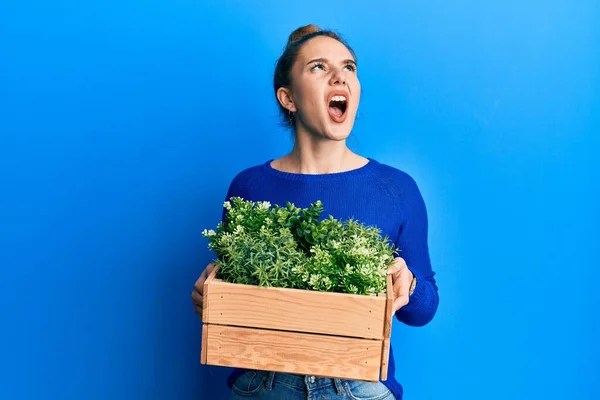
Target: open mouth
<point>337,107</point>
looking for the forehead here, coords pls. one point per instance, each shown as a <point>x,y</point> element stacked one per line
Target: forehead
<point>324,47</point>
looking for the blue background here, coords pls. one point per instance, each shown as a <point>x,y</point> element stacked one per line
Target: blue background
<point>122,124</point>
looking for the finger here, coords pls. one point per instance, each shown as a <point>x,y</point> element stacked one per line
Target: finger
<point>198,304</point>
<point>400,261</point>
<point>400,302</point>
<point>199,285</point>
<point>208,270</point>
<point>404,284</point>
<point>393,268</point>
<point>401,290</point>
<point>199,311</point>
<point>397,285</point>
<point>203,276</point>
<point>398,264</point>
<point>197,298</point>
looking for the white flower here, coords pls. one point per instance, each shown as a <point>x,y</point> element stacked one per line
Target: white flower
<point>226,238</point>
<point>265,205</point>
<point>314,279</point>
<point>227,205</point>
<point>298,269</point>
<point>360,251</point>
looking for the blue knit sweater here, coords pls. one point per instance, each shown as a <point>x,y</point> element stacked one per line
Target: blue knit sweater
<point>375,194</point>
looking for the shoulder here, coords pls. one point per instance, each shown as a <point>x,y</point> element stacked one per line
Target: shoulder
<point>245,179</point>
<point>248,174</point>
<point>396,179</point>
<point>405,192</point>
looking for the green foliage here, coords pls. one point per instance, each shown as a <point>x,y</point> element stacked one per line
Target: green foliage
<point>290,247</point>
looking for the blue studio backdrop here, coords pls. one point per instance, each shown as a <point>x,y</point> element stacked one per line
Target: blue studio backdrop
<point>122,124</point>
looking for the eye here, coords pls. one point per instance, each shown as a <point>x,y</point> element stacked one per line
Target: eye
<point>351,67</point>
<point>318,65</point>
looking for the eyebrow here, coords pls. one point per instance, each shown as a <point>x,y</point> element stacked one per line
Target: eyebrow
<point>346,61</point>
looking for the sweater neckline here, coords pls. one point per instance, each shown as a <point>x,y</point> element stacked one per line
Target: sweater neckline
<point>356,172</point>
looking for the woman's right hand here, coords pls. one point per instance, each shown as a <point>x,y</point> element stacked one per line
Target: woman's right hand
<point>199,289</point>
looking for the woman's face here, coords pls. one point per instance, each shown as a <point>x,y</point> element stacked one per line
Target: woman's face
<point>325,89</point>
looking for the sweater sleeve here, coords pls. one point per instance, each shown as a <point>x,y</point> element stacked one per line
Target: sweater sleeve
<point>412,242</point>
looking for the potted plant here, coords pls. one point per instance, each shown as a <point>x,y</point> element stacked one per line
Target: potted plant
<point>294,293</point>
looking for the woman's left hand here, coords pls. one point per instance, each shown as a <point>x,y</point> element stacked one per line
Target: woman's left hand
<point>402,279</point>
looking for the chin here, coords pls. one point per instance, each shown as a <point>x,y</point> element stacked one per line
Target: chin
<point>338,134</point>
<point>340,131</point>
<point>330,130</point>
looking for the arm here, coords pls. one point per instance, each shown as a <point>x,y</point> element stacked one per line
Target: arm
<point>414,249</point>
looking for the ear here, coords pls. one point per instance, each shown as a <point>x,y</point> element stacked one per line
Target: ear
<point>284,96</point>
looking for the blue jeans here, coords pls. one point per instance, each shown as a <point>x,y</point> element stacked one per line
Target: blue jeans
<point>278,386</point>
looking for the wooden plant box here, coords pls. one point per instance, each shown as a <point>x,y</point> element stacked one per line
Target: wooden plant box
<point>296,331</point>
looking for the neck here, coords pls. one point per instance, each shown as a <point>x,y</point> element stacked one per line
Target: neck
<point>322,160</point>
<point>318,155</point>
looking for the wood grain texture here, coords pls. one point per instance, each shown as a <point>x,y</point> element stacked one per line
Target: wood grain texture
<point>389,308</point>
<point>205,294</point>
<point>387,330</point>
<point>299,353</point>
<point>204,344</point>
<point>296,310</point>
<point>385,354</point>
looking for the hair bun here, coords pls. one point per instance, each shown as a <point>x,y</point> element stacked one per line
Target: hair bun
<point>302,31</point>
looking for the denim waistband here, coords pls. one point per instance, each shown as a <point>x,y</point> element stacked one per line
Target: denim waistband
<point>301,382</point>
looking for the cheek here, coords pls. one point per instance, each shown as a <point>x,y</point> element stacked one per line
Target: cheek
<point>356,93</point>
<point>307,97</point>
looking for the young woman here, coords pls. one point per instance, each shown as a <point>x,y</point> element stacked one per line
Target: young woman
<point>318,92</point>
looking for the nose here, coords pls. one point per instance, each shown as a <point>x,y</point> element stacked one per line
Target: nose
<point>337,77</point>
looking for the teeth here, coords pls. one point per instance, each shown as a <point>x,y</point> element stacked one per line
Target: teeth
<point>338,98</point>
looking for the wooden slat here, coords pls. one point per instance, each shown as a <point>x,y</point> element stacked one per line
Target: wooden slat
<point>296,310</point>
<point>205,294</point>
<point>385,353</point>
<point>387,330</point>
<point>204,344</point>
<point>389,308</point>
<point>298,353</point>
